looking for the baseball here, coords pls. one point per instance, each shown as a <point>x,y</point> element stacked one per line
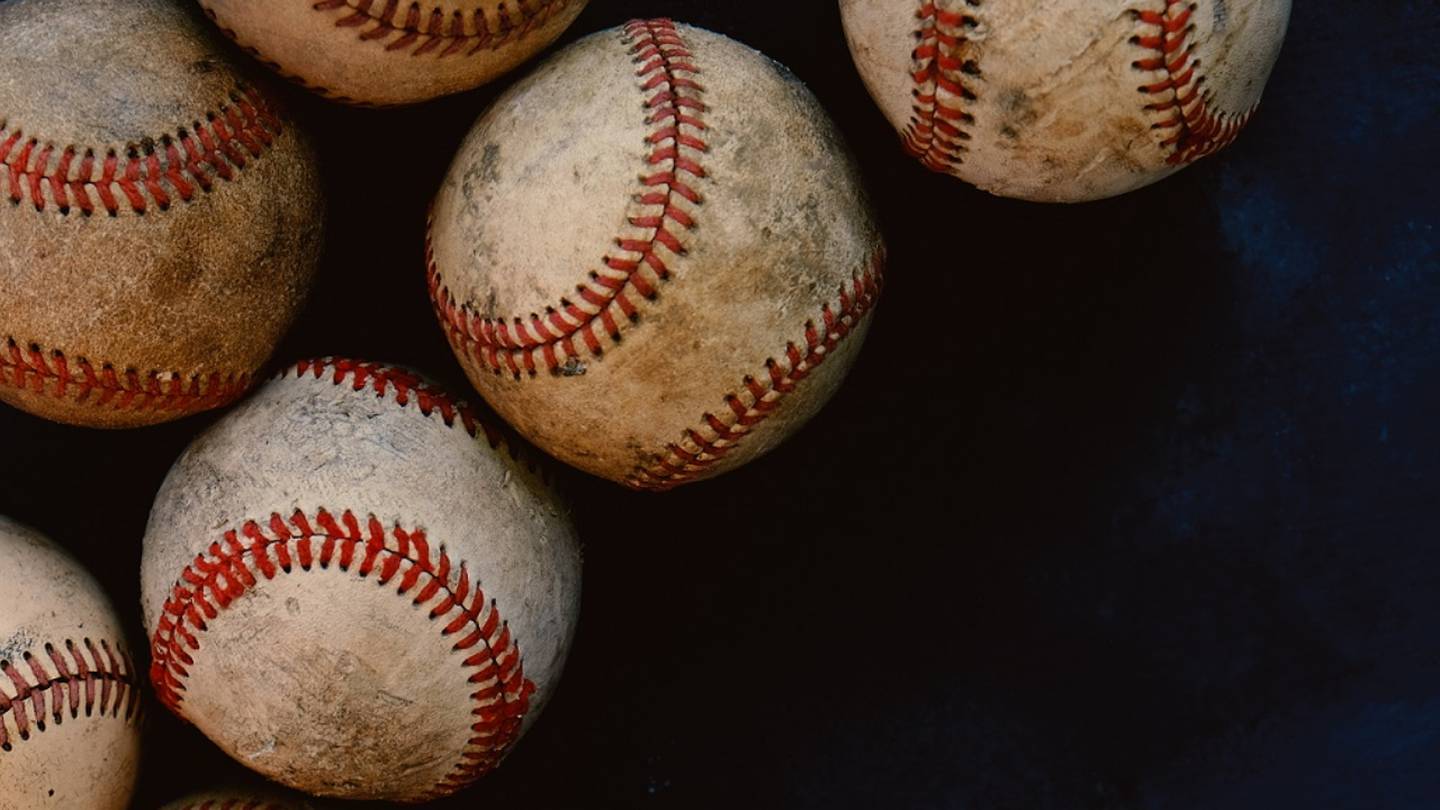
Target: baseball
<point>662,278</point>
<point>162,220</point>
<point>1065,100</point>
<point>259,581</point>
<point>383,52</point>
<point>69,695</point>
<point>238,800</point>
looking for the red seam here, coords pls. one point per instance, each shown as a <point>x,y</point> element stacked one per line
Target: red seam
<point>409,389</point>
<point>278,68</point>
<point>264,548</point>
<point>937,134</point>
<point>704,445</point>
<point>29,367</point>
<point>139,176</point>
<point>107,687</point>
<point>411,28</point>
<point>1190,128</point>
<point>580,327</point>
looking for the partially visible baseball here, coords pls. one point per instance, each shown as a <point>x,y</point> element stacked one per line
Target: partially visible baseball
<point>239,800</point>
<point>384,52</point>
<point>1065,100</point>
<point>663,277</point>
<point>69,694</point>
<point>159,218</point>
<point>354,587</point>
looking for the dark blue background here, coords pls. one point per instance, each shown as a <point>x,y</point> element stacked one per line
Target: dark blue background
<point>1127,505</point>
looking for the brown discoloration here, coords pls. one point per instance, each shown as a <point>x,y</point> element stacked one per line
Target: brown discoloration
<point>385,53</point>
<point>765,237</point>
<point>1085,131</point>
<point>190,294</point>
<point>87,760</point>
<point>321,677</point>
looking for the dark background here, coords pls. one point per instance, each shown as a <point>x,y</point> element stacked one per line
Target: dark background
<point>1127,505</point>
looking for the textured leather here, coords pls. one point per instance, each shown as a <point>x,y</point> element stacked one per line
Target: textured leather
<point>337,667</point>
<point>1047,94</point>
<point>382,52</point>
<point>172,292</point>
<point>714,176</point>
<point>51,608</point>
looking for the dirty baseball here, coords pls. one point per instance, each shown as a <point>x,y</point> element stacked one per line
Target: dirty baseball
<point>163,219</point>
<point>707,264</point>
<point>356,587</point>
<point>1065,100</point>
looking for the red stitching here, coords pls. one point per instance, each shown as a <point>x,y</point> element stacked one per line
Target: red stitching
<point>574,328</point>
<point>138,175</point>
<point>1195,131</point>
<point>936,133</point>
<point>418,31</point>
<point>704,445</point>
<point>104,683</point>
<point>410,389</point>
<point>279,69</point>
<point>270,546</point>
<point>407,386</point>
<point>50,372</point>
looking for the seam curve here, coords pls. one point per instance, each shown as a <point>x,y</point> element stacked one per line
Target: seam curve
<point>31,368</point>
<point>152,173</point>
<point>264,549</point>
<point>416,30</point>
<point>941,62</point>
<point>411,391</point>
<point>703,445</point>
<point>103,683</point>
<point>1191,129</point>
<point>664,210</point>
<point>279,69</point>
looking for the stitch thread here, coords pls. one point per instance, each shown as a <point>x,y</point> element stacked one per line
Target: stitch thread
<point>408,27</point>
<point>703,446</point>
<point>139,176</point>
<point>279,69</point>
<point>664,210</point>
<point>98,677</point>
<point>407,386</point>
<point>936,134</point>
<point>1192,130</point>
<point>29,367</point>
<point>266,548</point>
<point>410,390</point>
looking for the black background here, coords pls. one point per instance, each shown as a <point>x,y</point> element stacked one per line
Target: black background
<point>1129,504</point>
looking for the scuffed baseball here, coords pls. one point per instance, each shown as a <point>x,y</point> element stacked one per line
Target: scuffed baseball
<point>645,279</point>
<point>69,693</point>
<point>160,218</point>
<point>383,52</point>
<point>1065,100</point>
<point>355,588</point>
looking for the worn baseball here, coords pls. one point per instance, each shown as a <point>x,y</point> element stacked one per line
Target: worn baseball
<point>69,694</point>
<point>159,218</point>
<point>1065,100</point>
<point>383,52</point>
<point>239,800</point>
<point>662,278</point>
<point>354,587</point>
